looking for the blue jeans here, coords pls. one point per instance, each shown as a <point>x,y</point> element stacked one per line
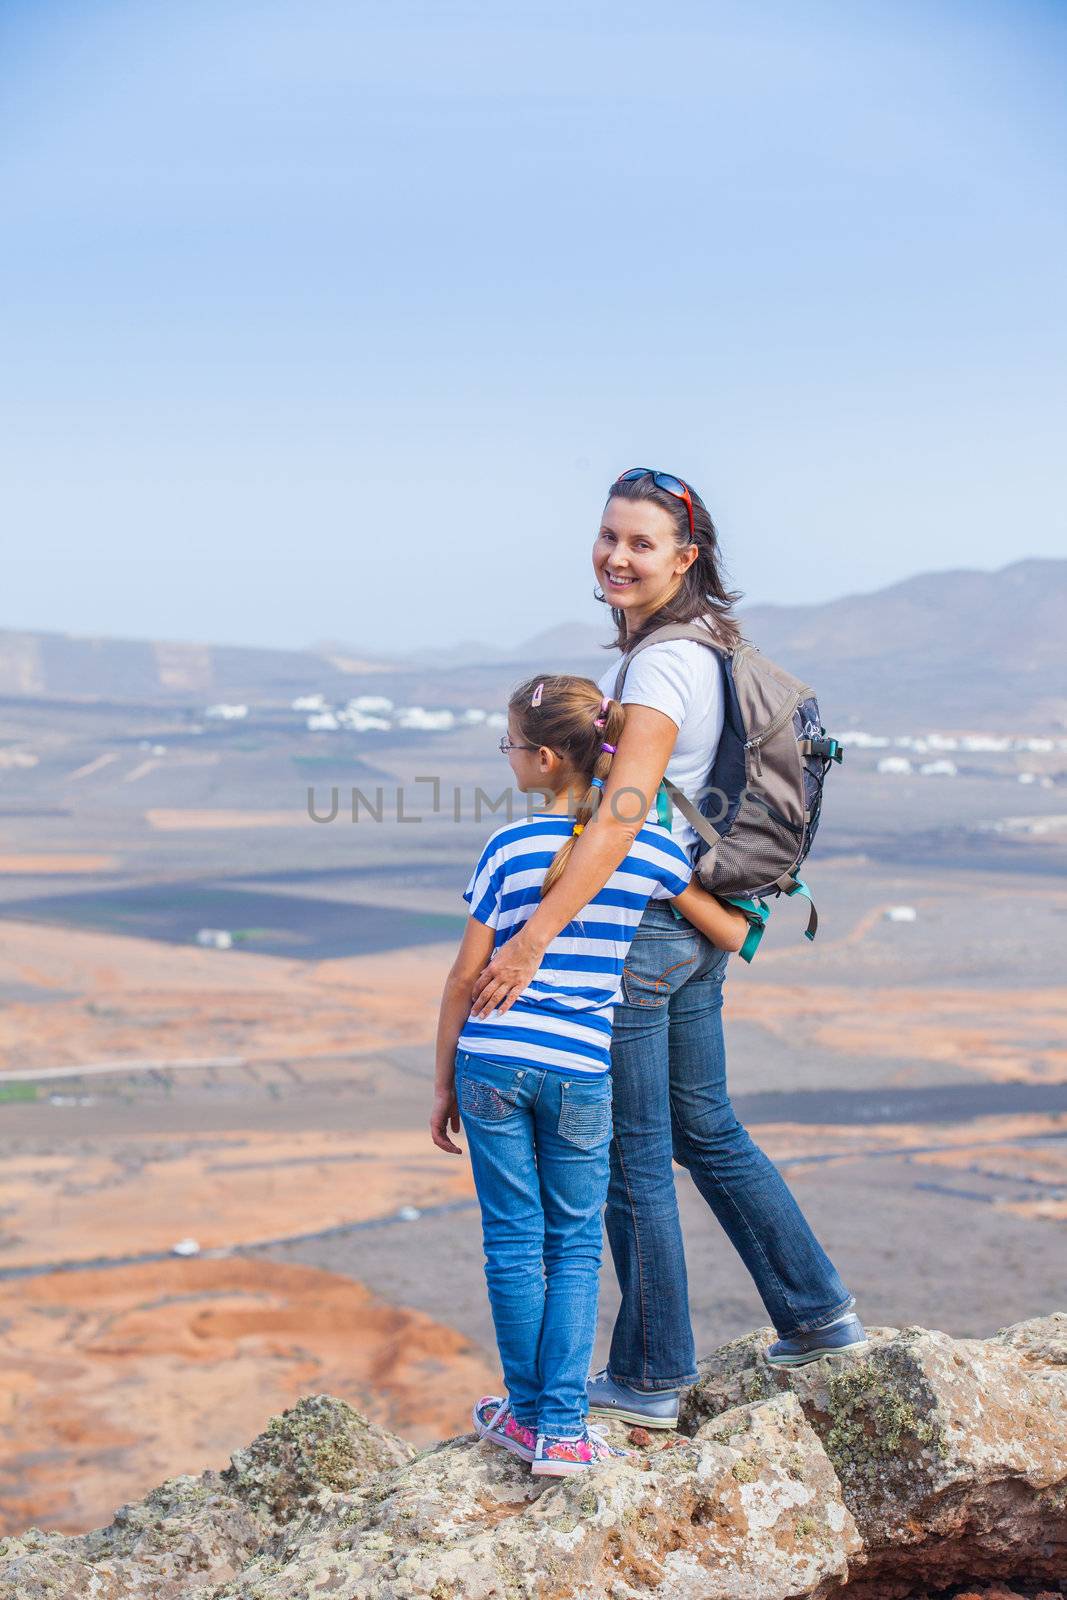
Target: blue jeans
<point>538,1143</point>
<point>668,1066</point>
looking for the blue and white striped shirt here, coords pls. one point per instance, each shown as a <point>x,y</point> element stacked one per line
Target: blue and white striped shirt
<point>562,1019</point>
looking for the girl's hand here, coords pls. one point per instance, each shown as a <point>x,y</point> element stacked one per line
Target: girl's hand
<point>445,1115</point>
<point>503,980</point>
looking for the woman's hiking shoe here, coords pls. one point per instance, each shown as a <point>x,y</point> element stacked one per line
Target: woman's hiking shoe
<point>835,1339</point>
<point>493,1420</point>
<point>644,1410</point>
<point>559,1458</point>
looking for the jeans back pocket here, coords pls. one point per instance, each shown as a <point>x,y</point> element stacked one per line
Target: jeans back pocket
<point>488,1102</point>
<point>663,972</point>
<point>585,1112</point>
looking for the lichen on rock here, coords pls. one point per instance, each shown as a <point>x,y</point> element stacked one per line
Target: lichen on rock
<point>882,1418</point>
<point>183,1540</point>
<point>320,1443</point>
<point>920,1463</point>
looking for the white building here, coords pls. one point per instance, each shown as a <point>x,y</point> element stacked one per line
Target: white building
<point>939,769</point>
<point>360,723</point>
<point>226,713</point>
<point>309,702</point>
<point>375,705</point>
<point>425,721</point>
<point>894,764</point>
<point>901,914</point>
<point>984,743</point>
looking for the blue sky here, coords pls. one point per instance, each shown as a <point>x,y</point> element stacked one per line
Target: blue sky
<point>334,321</point>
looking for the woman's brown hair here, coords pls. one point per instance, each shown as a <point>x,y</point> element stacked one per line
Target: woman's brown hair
<point>702,591</point>
<point>568,720</point>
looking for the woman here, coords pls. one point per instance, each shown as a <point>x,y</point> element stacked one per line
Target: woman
<point>656,560</point>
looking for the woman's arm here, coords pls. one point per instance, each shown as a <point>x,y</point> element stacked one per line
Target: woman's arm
<point>725,926</point>
<point>637,769</point>
<point>474,952</point>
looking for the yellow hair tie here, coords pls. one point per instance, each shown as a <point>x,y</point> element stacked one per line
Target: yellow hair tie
<point>578,826</point>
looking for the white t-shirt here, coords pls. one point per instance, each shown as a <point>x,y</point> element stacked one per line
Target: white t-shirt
<point>683,679</point>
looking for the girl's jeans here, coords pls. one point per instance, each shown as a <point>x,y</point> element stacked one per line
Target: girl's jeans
<point>538,1143</point>
<point>669,1076</point>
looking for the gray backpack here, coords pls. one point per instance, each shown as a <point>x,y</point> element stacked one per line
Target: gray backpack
<point>758,811</point>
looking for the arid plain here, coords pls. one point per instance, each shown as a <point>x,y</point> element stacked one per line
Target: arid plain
<point>269,1100</point>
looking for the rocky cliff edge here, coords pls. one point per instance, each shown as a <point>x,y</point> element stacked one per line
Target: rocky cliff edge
<point>924,1464</point>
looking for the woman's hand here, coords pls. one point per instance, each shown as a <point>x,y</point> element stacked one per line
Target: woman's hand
<point>500,984</point>
<point>445,1115</point>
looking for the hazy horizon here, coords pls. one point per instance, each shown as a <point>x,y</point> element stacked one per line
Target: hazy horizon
<point>598,613</point>
<point>321,322</point>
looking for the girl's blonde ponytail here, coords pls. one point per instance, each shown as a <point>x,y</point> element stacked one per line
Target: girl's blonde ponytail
<point>570,716</point>
<point>613,717</point>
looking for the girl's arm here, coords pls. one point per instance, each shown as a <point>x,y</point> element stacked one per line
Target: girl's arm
<point>474,951</point>
<point>645,747</point>
<point>724,925</point>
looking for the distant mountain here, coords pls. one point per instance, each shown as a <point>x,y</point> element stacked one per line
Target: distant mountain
<point>951,650</point>
<point>70,667</point>
<point>1017,615</point>
<point>569,641</point>
<point>945,649</point>
<point>564,642</point>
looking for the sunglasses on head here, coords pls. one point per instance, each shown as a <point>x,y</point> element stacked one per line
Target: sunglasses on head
<point>662,480</point>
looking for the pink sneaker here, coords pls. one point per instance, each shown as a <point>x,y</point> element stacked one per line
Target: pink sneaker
<point>493,1420</point>
<point>558,1458</point>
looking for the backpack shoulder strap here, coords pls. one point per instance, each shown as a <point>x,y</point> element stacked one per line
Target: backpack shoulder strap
<point>670,630</point>
<point>703,635</point>
<point>695,819</point>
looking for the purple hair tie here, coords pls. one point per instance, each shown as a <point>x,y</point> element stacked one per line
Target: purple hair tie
<point>610,748</point>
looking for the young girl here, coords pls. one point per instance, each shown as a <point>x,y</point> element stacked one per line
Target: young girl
<point>533,1084</point>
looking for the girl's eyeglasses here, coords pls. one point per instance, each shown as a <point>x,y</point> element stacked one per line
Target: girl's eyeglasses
<point>506,745</point>
<point>662,480</point>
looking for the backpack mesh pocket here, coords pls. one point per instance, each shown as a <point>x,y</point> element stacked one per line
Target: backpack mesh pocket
<point>770,847</point>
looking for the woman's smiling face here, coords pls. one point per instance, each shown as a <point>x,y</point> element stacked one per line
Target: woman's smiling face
<point>636,558</point>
